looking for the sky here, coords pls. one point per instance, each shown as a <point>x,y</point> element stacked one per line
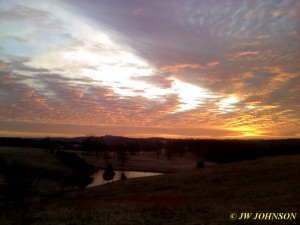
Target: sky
<point>140,68</point>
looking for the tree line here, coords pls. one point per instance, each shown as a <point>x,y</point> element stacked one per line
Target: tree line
<point>220,151</point>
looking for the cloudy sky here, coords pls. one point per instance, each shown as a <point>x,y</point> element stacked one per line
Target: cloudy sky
<point>140,68</point>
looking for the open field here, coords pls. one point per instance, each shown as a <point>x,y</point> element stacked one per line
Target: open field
<point>50,173</point>
<point>145,162</point>
<point>194,196</point>
<point>33,157</point>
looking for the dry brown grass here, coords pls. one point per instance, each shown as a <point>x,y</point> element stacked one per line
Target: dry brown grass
<point>33,157</point>
<point>194,196</point>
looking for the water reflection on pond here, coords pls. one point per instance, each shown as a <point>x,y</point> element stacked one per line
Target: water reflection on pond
<point>98,179</point>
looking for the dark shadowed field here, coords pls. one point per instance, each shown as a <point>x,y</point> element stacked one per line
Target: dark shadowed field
<point>189,196</point>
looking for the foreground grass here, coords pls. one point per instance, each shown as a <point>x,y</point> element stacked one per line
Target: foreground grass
<point>192,197</point>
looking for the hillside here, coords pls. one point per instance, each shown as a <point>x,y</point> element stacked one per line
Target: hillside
<point>196,196</point>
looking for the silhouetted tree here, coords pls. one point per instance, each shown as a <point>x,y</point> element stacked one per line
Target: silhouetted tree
<point>158,152</point>
<point>122,157</point>
<point>169,153</point>
<point>200,164</point>
<point>106,156</point>
<point>123,177</point>
<point>177,147</point>
<point>48,144</point>
<point>90,145</point>
<point>133,148</point>
<point>109,173</point>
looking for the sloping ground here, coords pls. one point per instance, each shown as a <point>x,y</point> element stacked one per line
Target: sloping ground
<point>199,196</point>
<point>35,158</point>
<point>49,172</point>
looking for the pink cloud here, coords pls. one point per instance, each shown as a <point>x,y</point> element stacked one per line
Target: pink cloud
<point>138,11</point>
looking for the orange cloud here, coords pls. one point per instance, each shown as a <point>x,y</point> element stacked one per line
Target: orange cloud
<point>243,55</point>
<point>191,66</point>
<point>247,75</point>
<point>212,64</point>
<point>281,75</point>
<point>263,36</point>
<point>277,13</point>
<point>249,44</point>
<point>2,65</point>
<point>29,93</point>
<point>246,53</point>
<point>79,94</point>
<point>238,85</point>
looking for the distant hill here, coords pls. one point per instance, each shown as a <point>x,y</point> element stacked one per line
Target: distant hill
<point>220,151</point>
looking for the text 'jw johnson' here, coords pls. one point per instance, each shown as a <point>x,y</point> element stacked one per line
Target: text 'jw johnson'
<point>263,216</point>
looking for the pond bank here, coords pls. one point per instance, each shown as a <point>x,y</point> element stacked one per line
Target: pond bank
<point>98,176</point>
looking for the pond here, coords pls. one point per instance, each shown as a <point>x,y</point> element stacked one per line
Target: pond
<point>98,179</point>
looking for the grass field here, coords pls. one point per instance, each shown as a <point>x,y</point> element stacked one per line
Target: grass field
<point>145,162</point>
<point>36,158</point>
<point>190,197</point>
<point>51,173</point>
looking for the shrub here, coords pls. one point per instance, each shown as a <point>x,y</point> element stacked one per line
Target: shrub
<point>83,170</point>
<point>200,164</point>
<point>109,173</point>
